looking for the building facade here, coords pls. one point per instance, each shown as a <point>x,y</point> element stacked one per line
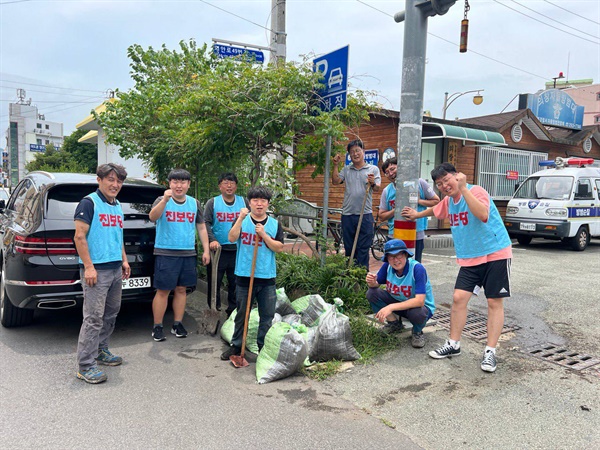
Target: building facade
<point>27,135</point>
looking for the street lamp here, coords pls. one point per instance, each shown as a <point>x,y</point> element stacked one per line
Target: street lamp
<point>449,99</point>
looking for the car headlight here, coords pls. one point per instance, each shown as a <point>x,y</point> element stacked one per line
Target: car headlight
<point>512,210</point>
<point>556,212</point>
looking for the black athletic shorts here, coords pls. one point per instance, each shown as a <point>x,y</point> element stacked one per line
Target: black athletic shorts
<point>493,277</point>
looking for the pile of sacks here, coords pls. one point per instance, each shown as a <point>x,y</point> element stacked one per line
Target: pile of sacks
<point>304,331</point>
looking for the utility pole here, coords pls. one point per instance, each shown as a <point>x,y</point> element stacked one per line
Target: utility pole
<point>411,110</point>
<point>278,36</point>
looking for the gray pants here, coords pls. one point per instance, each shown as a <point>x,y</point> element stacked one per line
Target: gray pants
<point>101,304</point>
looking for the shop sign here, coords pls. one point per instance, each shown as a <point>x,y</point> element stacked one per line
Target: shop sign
<point>555,108</point>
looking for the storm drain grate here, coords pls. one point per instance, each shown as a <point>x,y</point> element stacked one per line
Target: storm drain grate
<point>476,326</point>
<point>563,357</point>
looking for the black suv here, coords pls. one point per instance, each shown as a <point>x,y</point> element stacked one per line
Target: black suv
<point>38,259</point>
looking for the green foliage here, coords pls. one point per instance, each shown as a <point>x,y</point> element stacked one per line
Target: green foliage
<point>85,155</point>
<point>322,371</point>
<point>303,274</point>
<point>368,340</point>
<point>53,160</point>
<point>190,109</point>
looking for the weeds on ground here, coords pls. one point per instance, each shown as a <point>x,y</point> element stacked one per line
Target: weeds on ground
<point>370,341</point>
<point>322,371</point>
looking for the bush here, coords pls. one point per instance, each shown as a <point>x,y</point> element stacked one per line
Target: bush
<point>302,275</point>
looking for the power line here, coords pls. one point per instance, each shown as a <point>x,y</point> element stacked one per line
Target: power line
<point>54,93</point>
<point>49,86</point>
<point>554,20</point>
<point>14,1</point>
<point>55,111</point>
<point>46,101</point>
<point>547,24</point>
<point>575,14</point>
<point>456,45</point>
<point>235,15</point>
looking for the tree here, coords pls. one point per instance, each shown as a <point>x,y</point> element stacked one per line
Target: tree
<point>53,160</point>
<point>83,154</point>
<point>192,110</point>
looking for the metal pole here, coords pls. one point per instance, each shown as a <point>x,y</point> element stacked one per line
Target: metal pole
<point>445,105</point>
<point>411,120</point>
<point>326,199</point>
<point>278,36</point>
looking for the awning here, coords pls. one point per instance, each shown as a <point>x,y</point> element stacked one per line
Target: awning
<point>89,123</point>
<point>91,137</point>
<point>439,130</point>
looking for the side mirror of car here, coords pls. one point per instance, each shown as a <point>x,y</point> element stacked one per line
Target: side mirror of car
<point>2,205</point>
<point>517,186</point>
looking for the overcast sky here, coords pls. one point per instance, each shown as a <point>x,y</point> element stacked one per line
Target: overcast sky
<point>66,54</point>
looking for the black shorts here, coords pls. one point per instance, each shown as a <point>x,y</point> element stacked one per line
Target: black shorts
<point>173,271</point>
<point>493,277</point>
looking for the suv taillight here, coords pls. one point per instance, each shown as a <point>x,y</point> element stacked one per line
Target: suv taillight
<point>39,246</point>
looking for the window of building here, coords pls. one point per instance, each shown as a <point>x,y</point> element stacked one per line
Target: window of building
<point>598,96</point>
<point>38,125</point>
<point>47,127</point>
<point>39,141</point>
<point>597,119</point>
<point>47,141</point>
<point>496,162</point>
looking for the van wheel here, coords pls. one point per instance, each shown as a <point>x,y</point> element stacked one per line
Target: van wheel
<point>581,240</point>
<point>524,239</point>
<point>10,315</point>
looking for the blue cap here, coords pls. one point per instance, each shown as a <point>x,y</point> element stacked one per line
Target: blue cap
<point>395,246</point>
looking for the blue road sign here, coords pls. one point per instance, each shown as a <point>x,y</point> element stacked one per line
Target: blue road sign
<point>228,51</point>
<point>334,67</point>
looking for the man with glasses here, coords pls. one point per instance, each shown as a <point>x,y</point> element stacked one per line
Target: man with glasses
<point>361,179</point>
<point>407,292</point>
<point>387,204</point>
<point>220,213</point>
<point>178,216</point>
<point>483,251</point>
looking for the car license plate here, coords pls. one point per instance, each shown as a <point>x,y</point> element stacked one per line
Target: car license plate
<point>527,226</point>
<point>136,283</point>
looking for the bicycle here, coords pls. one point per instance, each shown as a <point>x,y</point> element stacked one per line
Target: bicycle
<point>380,237</point>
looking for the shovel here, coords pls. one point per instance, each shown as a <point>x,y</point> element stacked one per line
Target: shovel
<point>360,219</point>
<point>239,360</point>
<point>211,318</point>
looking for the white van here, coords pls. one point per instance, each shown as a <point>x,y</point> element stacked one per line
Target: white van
<point>560,202</point>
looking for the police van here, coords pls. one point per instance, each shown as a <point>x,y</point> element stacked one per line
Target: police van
<point>560,202</point>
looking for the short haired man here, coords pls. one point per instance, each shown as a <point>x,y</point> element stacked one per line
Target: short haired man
<point>250,226</point>
<point>103,265</point>
<point>387,204</point>
<point>220,213</point>
<point>407,292</point>
<point>483,251</point>
<point>356,176</point>
<point>178,217</point>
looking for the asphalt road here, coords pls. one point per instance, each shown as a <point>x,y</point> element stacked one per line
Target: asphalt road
<point>178,394</point>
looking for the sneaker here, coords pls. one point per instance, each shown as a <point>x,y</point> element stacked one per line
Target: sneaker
<point>418,340</point>
<point>106,358</point>
<point>231,351</point>
<point>444,351</point>
<point>93,375</point>
<point>488,363</point>
<point>158,334</point>
<point>393,327</point>
<point>179,331</point>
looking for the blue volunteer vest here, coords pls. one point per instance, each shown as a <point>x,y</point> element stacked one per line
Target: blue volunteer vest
<point>472,237</point>
<point>265,259</point>
<point>389,194</point>
<point>105,236</point>
<point>224,216</point>
<point>422,222</point>
<point>176,227</point>
<point>403,288</point>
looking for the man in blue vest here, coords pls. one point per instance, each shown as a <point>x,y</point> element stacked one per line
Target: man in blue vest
<point>178,217</point>
<point>250,226</point>
<point>387,204</point>
<point>483,251</point>
<point>407,292</point>
<point>103,265</point>
<point>220,213</point>
<point>356,177</point>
